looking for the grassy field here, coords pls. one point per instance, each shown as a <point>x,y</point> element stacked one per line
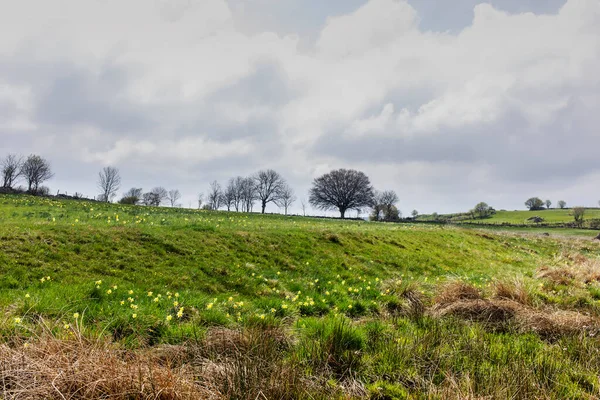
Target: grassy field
<point>551,216</point>
<point>139,302</point>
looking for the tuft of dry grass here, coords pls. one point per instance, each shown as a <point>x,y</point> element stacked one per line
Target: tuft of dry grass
<point>572,269</point>
<point>514,290</point>
<point>51,368</point>
<point>454,291</point>
<point>501,313</point>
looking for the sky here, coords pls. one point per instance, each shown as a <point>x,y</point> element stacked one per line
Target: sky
<point>448,103</point>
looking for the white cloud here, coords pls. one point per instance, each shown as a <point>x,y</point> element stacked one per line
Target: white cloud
<point>498,86</point>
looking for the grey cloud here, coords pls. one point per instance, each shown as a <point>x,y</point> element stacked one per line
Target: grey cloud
<point>78,97</point>
<point>455,15</point>
<point>267,85</point>
<point>385,149</point>
<point>513,149</point>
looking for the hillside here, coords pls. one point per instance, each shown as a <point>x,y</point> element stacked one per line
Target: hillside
<point>348,302</point>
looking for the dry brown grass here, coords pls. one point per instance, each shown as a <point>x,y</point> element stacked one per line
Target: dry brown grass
<point>454,291</point>
<point>571,269</point>
<point>51,368</point>
<point>514,290</point>
<point>505,313</point>
<point>226,364</point>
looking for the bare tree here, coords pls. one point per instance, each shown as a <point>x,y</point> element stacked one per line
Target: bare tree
<point>11,170</point>
<point>230,195</point>
<point>248,194</point>
<point>174,197</point>
<point>303,205</point>
<point>155,197</point>
<point>268,185</point>
<point>562,204</point>
<point>215,196</point>
<point>237,188</point>
<point>36,170</point>
<point>342,189</point>
<point>200,200</point>
<point>132,196</point>
<point>109,182</point>
<point>286,198</point>
<point>548,204</point>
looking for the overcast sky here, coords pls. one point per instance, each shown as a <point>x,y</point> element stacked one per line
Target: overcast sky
<point>446,102</point>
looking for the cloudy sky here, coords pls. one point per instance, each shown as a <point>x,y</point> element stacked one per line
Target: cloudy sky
<point>447,102</point>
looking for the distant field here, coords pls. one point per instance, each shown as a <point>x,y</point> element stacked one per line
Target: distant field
<point>178,303</point>
<point>521,217</point>
<point>549,216</point>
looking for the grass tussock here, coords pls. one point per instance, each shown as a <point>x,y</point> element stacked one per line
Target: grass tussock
<point>571,269</point>
<point>515,290</point>
<point>51,368</point>
<point>455,291</point>
<point>505,314</point>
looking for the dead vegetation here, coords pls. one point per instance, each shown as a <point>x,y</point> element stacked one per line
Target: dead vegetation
<point>571,269</point>
<point>50,368</point>
<point>510,308</point>
<point>226,364</point>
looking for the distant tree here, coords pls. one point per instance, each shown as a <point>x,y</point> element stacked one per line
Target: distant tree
<point>562,204</point>
<point>155,197</point>
<point>414,213</point>
<point>548,204</point>
<point>200,200</point>
<point>109,182</point>
<point>578,213</point>
<point>435,216</point>
<point>269,186</point>
<point>215,196</point>
<point>342,189</point>
<point>391,214</point>
<point>534,203</point>
<point>132,196</point>
<point>286,198</point>
<point>173,196</point>
<point>383,206</point>
<point>235,189</point>
<point>247,194</point>
<point>482,210</point>
<point>303,205</point>
<point>11,170</point>
<point>230,195</point>
<point>35,170</point>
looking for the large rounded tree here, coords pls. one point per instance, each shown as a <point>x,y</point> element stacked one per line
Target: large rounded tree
<point>342,189</point>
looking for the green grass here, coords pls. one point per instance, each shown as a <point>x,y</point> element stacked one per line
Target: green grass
<point>145,276</point>
<point>552,216</point>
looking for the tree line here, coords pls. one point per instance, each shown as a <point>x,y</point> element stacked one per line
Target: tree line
<point>341,190</point>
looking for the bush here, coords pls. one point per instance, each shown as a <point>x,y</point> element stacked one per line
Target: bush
<point>578,213</point>
<point>534,203</point>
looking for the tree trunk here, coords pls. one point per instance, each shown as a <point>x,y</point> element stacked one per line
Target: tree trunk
<point>264,205</point>
<point>342,213</point>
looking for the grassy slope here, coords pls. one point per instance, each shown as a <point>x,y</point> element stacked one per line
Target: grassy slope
<point>231,269</point>
<point>206,253</point>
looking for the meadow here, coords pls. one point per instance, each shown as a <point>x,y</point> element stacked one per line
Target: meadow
<point>104,300</point>
<point>558,220</point>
